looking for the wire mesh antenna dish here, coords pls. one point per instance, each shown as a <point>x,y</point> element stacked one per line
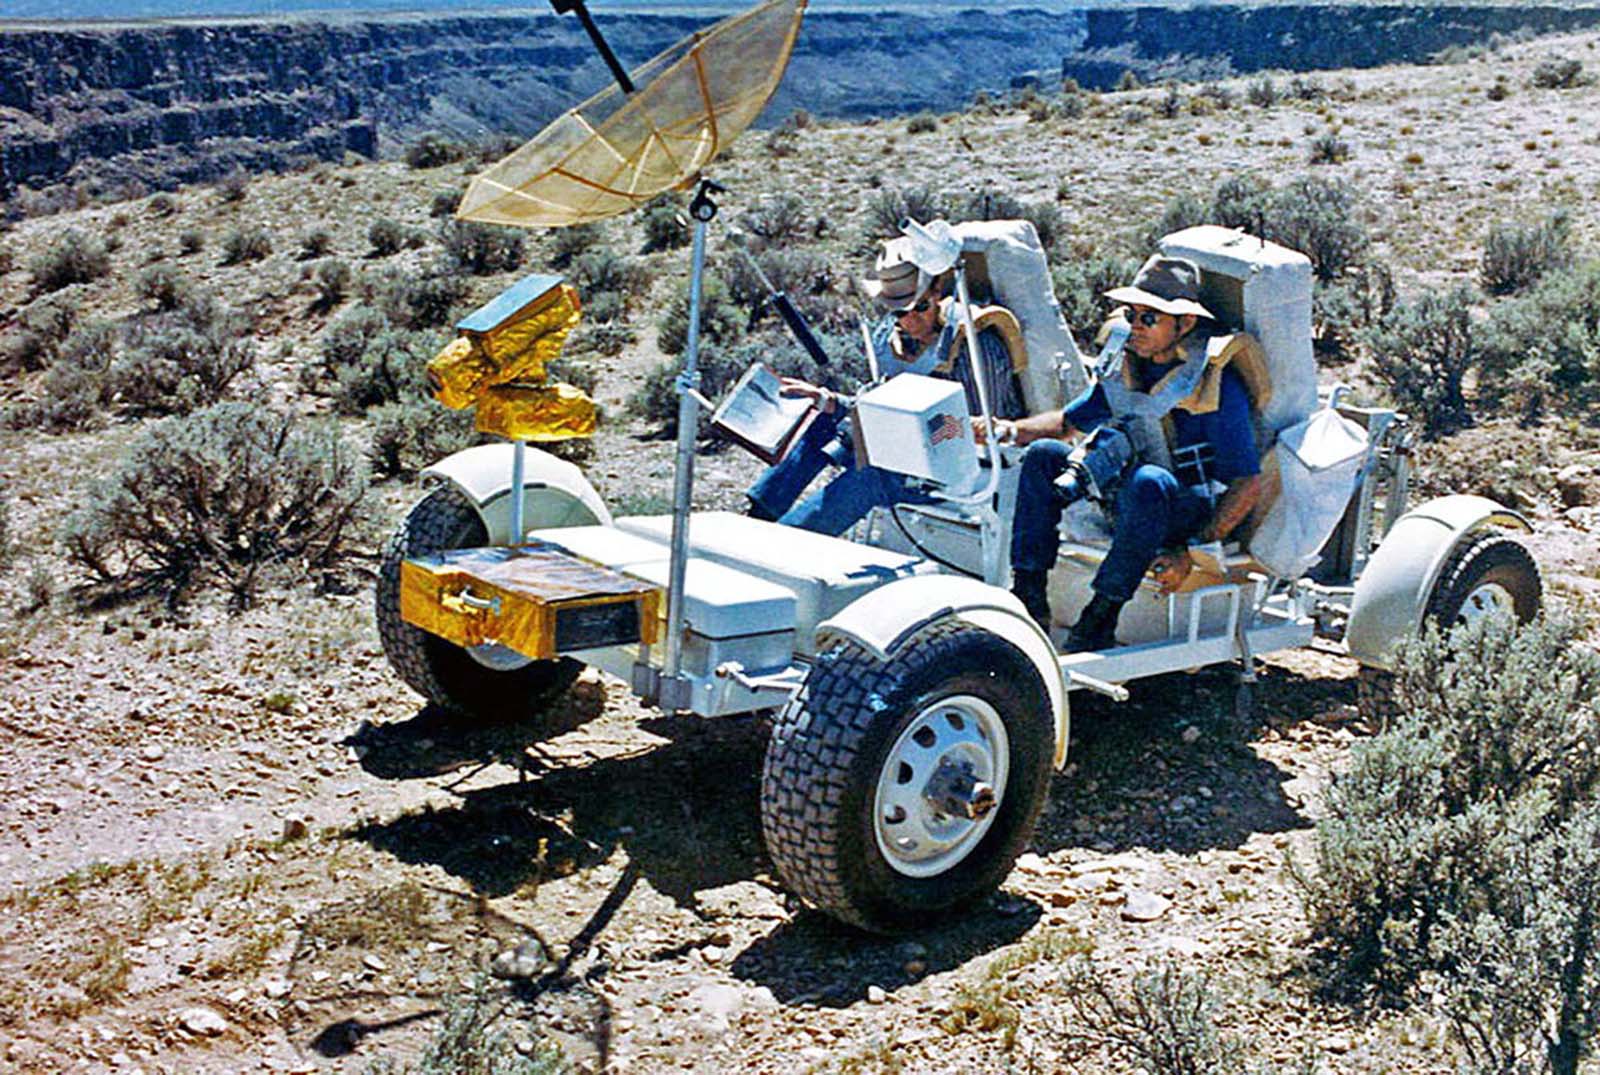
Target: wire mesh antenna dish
<point>618,150</point>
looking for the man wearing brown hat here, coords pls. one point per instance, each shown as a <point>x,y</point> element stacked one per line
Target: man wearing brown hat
<point>1200,410</point>
<point>920,335</point>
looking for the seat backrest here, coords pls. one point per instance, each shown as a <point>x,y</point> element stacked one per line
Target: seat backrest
<point>1264,289</point>
<point>1006,264</point>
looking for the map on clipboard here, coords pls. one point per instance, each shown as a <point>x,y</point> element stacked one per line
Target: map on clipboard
<point>756,414</point>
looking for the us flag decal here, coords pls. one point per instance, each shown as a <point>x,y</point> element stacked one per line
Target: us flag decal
<point>943,427</point>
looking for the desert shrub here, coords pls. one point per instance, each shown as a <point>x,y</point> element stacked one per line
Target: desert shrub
<point>8,537</point>
<point>433,149</point>
<point>721,319</point>
<point>1543,346</point>
<point>162,286</point>
<point>606,270</point>
<point>347,336</point>
<point>444,202</point>
<point>992,205</point>
<point>1318,218</point>
<point>222,495</point>
<point>1554,74</point>
<point>191,242</point>
<point>469,1041</point>
<point>481,249</point>
<point>233,187</point>
<point>315,244</point>
<point>604,307</point>
<point>568,243</point>
<point>1356,302</point>
<point>408,435</point>
<point>332,280</point>
<point>74,258</point>
<point>77,389</point>
<point>1164,1023</point>
<point>1127,82</point>
<point>1497,749</point>
<point>777,219</point>
<point>1263,92</point>
<point>1422,352</point>
<point>1515,257</point>
<point>603,337</point>
<point>888,207</point>
<point>184,359</point>
<point>1220,96</point>
<point>386,237</point>
<point>243,244</point>
<point>719,365</point>
<point>1241,201</point>
<point>1081,284</point>
<point>1306,89</point>
<point>1183,211</point>
<point>922,123</point>
<point>1329,148</point>
<point>1040,111</point>
<point>1071,105</point>
<point>666,223</point>
<point>42,326</point>
<point>1499,90</point>
<point>804,276</point>
<point>1171,104</point>
<point>416,300</point>
<point>162,205</point>
<point>782,142</point>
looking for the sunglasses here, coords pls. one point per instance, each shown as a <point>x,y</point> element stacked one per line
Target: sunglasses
<point>1147,318</point>
<point>920,308</point>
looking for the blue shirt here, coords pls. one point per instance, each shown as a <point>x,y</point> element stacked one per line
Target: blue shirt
<point>1225,436</point>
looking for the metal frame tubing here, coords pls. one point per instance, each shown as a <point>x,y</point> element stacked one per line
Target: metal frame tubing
<point>683,489</point>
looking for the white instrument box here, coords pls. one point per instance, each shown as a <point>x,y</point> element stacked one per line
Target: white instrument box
<point>918,426</point>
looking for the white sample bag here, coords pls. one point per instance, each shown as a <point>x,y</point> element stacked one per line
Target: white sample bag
<point>1319,462</point>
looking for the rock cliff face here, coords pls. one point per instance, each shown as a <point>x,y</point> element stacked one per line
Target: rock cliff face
<point>158,104</point>
<point>1217,41</point>
<point>100,107</point>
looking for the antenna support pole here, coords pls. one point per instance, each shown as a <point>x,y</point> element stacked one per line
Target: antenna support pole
<point>674,689</point>
<point>566,7</point>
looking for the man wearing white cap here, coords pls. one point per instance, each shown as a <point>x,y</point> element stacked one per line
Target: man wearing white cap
<point>919,336</point>
<point>1206,415</point>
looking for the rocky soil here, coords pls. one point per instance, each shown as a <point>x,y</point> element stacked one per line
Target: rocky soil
<point>235,842</point>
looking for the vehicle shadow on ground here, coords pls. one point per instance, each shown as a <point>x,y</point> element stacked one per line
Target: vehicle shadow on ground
<point>685,811</point>
<point>1172,769</point>
<point>436,741</point>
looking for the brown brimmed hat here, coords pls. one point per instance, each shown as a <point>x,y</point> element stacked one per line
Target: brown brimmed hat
<point>896,282</point>
<point>1171,285</point>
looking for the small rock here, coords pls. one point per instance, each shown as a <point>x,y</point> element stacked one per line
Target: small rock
<point>1334,1043</point>
<point>1190,734</point>
<point>524,961</point>
<point>202,1021</point>
<point>1031,862</point>
<point>721,1002</point>
<point>295,828</point>
<point>374,963</point>
<point>915,968</point>
<point>152,752</point>
<point>876,995</point>
<point>1572,483</point>
<point>1144,906</point>
<point>277,988</point>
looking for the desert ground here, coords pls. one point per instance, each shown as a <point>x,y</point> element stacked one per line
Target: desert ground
<point>234,841</point>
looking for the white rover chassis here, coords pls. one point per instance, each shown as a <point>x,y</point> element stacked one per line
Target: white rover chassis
<point>920,708</point>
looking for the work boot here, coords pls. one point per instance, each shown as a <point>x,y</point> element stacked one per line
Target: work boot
<point>1096,628</point>
<point>1028,586</point>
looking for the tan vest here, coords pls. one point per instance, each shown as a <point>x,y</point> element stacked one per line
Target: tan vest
<point>998,318</point>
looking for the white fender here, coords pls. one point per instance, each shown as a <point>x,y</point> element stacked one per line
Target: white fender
<point>1392,593</point>
<point>883,620</point>
<point>555,492</point>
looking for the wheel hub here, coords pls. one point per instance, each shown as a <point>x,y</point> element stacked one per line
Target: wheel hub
<point>1487,600</point>
<point>940,785</point>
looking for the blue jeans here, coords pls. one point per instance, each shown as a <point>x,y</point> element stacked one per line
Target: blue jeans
<point>840,504</point>
<point>1154,511</point>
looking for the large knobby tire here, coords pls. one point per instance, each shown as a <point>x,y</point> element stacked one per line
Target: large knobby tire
<point>845,806</point>
<point>486,682</point>
<point>1491,574</point>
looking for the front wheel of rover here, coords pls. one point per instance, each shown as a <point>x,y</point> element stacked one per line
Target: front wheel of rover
<point>483,682</point>
<point>893,793</point>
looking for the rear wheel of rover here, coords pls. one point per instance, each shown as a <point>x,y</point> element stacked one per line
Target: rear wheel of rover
<point>487,682</point>
<point>1488,576</point>
<point>894,793</point>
